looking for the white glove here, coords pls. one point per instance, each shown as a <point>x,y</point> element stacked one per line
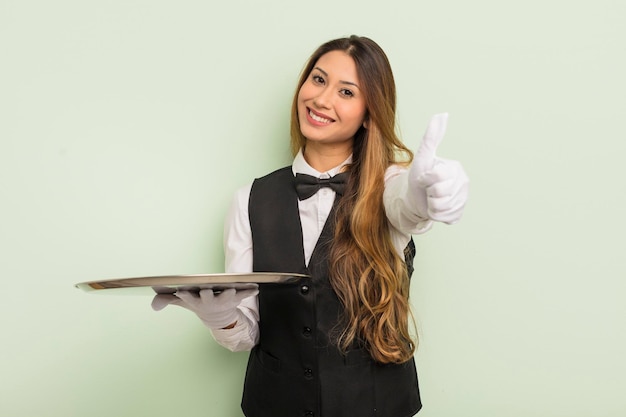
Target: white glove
<point>216,310</point>
<point>438,188</point>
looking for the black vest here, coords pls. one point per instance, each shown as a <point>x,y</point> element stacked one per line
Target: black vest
<point>296,370</point>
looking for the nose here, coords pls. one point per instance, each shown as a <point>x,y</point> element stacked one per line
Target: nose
<point>323,100</point>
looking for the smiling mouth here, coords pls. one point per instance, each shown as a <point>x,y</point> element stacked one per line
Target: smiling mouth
<point>319,119</point>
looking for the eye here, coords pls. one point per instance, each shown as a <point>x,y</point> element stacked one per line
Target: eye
<point>317,79</point>
<point>346,93</point>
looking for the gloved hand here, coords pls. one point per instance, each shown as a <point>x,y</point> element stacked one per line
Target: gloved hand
<point>216,310</point>
<point>438,188</point>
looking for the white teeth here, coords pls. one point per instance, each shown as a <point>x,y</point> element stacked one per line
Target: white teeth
<point>318,119</point>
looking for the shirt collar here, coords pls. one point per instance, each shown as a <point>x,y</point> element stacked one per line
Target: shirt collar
<point>301,166</point>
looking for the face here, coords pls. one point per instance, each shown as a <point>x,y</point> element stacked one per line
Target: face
<point>331,104</point>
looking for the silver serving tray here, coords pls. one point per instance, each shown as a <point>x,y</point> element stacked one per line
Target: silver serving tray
<point>169,284</point>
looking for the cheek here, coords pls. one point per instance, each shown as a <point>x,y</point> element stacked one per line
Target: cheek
<point>354,113</point>
<point>304,93</point>
<point>302,97</point>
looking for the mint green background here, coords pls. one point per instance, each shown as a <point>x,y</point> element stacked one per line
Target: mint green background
<point>117,119</point>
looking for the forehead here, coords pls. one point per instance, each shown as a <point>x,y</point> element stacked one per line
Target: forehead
<point>338,64</point>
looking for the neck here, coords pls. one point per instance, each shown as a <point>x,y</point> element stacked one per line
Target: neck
<point>325,157</point>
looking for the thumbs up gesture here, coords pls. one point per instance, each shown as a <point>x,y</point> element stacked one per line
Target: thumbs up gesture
<point>438,188</point>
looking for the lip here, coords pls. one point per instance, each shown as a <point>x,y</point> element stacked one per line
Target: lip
<point>318,114</point>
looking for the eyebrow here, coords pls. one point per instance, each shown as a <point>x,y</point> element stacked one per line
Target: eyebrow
<point>341,81</point>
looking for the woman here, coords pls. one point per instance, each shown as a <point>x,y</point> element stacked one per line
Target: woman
<point>338,343</point>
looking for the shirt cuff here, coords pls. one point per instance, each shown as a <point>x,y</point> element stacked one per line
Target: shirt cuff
<point>242,337</point>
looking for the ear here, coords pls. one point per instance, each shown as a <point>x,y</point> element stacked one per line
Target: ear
<point>365,123</point>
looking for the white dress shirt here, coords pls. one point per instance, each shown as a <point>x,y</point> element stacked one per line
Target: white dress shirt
<point>314,211</point>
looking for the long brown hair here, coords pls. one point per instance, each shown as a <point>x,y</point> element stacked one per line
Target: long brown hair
<point>366,272</point>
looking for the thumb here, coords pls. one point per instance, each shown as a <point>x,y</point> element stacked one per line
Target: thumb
<point>425,156</point>
<point>160,301</point>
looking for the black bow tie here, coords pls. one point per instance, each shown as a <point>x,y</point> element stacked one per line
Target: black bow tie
<point>308,185</point>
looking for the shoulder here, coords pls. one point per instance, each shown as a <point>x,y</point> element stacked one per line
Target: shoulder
<point>269,183</point>
<point>394,171</point>
<point>239,202</point>
<point>242,194</point>
<point>256,191</point>
<point>279,173</point>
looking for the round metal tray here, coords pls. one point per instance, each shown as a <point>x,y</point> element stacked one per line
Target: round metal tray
<point>169,284</point>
